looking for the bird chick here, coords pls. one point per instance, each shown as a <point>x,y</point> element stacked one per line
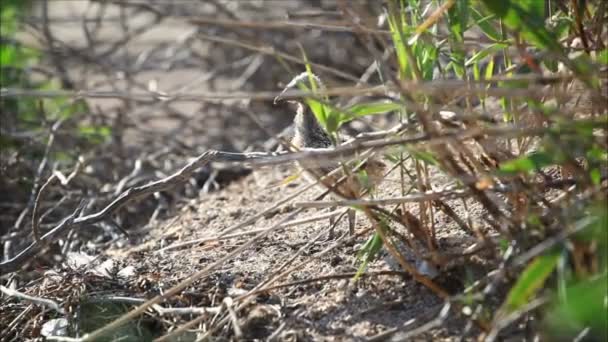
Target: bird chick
<point>308,134</point>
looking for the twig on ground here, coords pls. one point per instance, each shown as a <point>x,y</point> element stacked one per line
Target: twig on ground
<point>236,327</point>
<point>13,324</point>
<point>23,257</point>
<point>248,297</point>
<point>40,170</point>
<point>502,322</point>
<point>449,194</point>
<point>275,335</point>
<point>169,336</point>
<point>348,275</point>
<point>131,194</point>
<point>35,214</point>
<point>66,180</point>
<point>250,232</point>
<point>48,303</point>
<point>186,311</point>
<point>183,284</point>
<point>402,335</point>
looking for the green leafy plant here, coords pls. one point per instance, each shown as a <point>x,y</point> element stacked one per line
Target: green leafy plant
<point>29,113</point>
<point>525,27</point>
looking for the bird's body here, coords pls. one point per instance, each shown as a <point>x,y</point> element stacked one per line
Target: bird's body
<point>308,134</point>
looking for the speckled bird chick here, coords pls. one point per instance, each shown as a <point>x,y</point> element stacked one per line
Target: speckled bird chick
<point>308,134</point>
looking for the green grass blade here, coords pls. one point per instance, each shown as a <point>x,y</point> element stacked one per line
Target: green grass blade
<point>489,50</point>
<point>531,280</point>
<point>486,23</point>
<point>528,18</point>
<point>320,110</point>
<point>399,42</point>
<point>368,253</point>
<point>372,108</point>
<point>530,162</point>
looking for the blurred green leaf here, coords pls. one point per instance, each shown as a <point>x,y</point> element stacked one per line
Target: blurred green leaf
<point>597,153</point>
<point>476,72</point>
<point>596,176</point>
<point>486,23</point>
<point>333,121</point>
<point>368,252</point>
<point>531,280</point>
<point>319,109</point>
<point>394,158</point>
<point>530,162</point>
<point>398,40</point>
<point>593,227</point>
<point>7,55</point>
<point>424,156</point>
<point>458,16</point>
<point>491,49</point>
<point>533,220</point>
<point>528,18</point>
<point>363,179</point>
<point>371,108</point>
<point>338,117</point>
<point>602,57</point>
<point>95,134</point>
<point>489,69</point>
<point>8,22</point>
<point>503,244</point>
<point>64,157</point>
<point>551,64</point>
<point>561,26</point>
<point>583,63</point>
<point>585,307</point>
<point>429,54</point>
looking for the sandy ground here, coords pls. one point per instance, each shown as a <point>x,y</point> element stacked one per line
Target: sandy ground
<point>328,304</point>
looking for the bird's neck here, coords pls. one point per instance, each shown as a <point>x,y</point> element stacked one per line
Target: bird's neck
<point>308,131</point>
<point>305,121</point>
